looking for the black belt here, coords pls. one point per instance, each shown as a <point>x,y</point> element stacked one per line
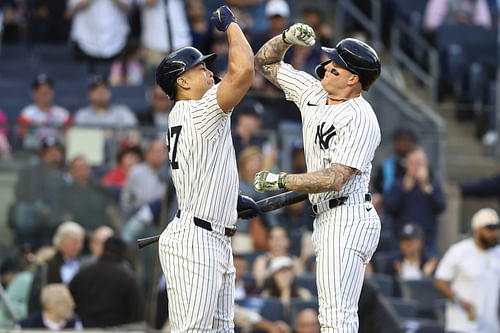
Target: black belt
<point>332,203</point>
<point>208,226</point>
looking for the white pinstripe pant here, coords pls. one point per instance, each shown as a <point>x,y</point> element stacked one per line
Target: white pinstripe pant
<point>199,271</point>
<point>344,240</point>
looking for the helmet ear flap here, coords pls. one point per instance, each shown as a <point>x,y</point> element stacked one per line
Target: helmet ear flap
<point>320,71</point>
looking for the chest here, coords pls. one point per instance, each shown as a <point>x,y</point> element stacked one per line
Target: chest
<point>479,267</point>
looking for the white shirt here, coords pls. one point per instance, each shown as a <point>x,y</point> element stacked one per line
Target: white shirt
<point>410,271</point>
<point>69,269</point>
<point>347,133</point>
<point>142,186</point>
<point>475,277</point>
<point>100,29</point>
<point>55,116</point>
<point>154,33</point>
<point>116,116</point>
<point>203,160</point>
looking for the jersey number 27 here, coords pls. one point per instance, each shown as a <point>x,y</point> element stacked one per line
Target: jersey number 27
<point>174,133</point>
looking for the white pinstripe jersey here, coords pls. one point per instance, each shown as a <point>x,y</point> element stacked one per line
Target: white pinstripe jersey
<point>202,159</point>
<point>347,133</point>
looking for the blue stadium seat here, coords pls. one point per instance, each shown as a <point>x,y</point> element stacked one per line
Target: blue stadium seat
<point>384,282</point>
<point>381,259</point>
<point>272,309</point>
<point>422,291</point>
<point>406,308</point>
<point>250,258</point>
<point>64,72</point>
<point>308,281</point>
<point>387,241</point>
<point>13,51</point>
<point>52,53</point>
<point>297,305</point>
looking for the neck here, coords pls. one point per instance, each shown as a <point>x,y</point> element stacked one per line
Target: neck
<point>412,258</point>
<point>480,244</point>
<point>331,99</point>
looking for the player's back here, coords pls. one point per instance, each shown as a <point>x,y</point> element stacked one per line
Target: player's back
<point>202,159</point>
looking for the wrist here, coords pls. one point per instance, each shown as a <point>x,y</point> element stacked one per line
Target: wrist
<point>282,180</point>
<point>456,299</point>
<point>284,39</point>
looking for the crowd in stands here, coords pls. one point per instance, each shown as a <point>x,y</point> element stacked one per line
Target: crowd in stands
<point>82,198</point>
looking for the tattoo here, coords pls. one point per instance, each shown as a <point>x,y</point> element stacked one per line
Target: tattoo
<point>268,59</point>
<point>325,180</point>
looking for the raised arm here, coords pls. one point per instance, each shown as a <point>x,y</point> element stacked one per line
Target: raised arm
<point>268,59</point>
<point>240,72</point>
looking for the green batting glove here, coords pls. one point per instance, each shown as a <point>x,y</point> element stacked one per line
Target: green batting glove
<point>268,181</point>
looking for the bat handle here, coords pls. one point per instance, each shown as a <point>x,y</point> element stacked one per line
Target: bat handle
<point>147,241</point>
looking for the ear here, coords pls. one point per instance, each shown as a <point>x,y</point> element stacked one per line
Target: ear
<point>181,82</point>
<point>353,80</point>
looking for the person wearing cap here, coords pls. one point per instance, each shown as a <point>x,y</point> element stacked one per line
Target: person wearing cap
<point>277,13</point>
<point>411,263</point>
<point>43,113</point>
<point>416,197</point>
<point>101,112</point>
<point>282,282</point>
<point>341,134</point>
<point>468,275</point>
<point>37,190</point>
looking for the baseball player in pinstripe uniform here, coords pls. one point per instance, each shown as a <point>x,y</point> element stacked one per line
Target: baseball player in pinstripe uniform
<point>341,133</point>
<point>195,248</point>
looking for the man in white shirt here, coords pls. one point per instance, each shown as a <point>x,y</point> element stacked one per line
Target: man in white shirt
<point>100,112</point>
<point>164,28</point>
<point>469,277</point>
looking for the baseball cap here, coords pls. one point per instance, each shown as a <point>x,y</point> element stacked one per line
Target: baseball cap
<point>485,217</point>
<point>277,7</point>
<point>279,263</point>
<point>412,231</point>
<point>95,80</point>
<point>42,78</point>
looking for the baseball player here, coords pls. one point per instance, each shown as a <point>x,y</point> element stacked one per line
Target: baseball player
<point>340,133</point>
<point>195,248</point>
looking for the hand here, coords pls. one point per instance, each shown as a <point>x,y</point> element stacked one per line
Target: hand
<point>245,203</point>
<point>468,307</point>
<point>429,266</point>
<point>408,182</point>
<point>422,175</point>
<point>300,34</point>
<point>265,180</point>
<point>222,18</point>
<point>280,327</point>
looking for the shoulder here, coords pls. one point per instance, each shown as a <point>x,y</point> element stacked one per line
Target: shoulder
<point>60,110</point>
<point>86,110</point>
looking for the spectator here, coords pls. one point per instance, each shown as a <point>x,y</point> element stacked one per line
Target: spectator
<point>277,13</point>
<point>482,188</point>
<point>299,164</point>
<point>42,113</point>
<point>439,12</point>
<point>33,216</point>
<point>16,283</point>
<point>100,112</point>
<point>5,150</point>
<point>416,198</point>
<point>96,245</point>
<point>127,70</point>
<point>256,9</point>
<point>468,276</point>
<point>13,16</point>
<point>243,288</point>
<point>99,29</point>
<point>107,293</point>
<point>127,157</point>
<point>144,183</point>
<point>279,245</point>
<point>157,114</point>
<point>249,320</point>
<point>411,263</point>
<point>314,17</point>
<point>57,313</point>
<point>64,265</point>
<point>199,26</point>
<point>84,200</point>
<point>47,22</point>
<point>307,322</point>
<point>282,282</point>
<point>164,29</point>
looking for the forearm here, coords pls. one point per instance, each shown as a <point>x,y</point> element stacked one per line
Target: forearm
<point>444,287</point>
<point>325,180</point>
<point>268,58</point>
<point>240,55</point>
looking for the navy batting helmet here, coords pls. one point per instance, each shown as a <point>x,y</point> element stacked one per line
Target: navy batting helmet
<point>177,63</point>
<point>355,56</point>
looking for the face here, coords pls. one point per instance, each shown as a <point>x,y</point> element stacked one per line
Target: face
<point>410,246</point>
<point>402,145</point>
<point>415,161</point>
<point>43,95</point>
<point>100,235</point>
<point>252,166</point>
<point>278,241</point>
<point>129,160</point>
<point>100,96</point>
<point>156,154</point>
<point>65,306</point>
<point>250,122</point>
<point>240,264</point>
<point>195,10</point>
<point>71,245</point>
<point>277,23</point>
<point>196,81</point>
<point>80,170</point>
<point>53,155</point>
<point>337,78</point>
<point>307,322</point>
<point>488,237</point>
<point>160,102</point>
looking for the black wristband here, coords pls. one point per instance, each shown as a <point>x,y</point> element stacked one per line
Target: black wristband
<point>284,38</point>
<point>281,180</point>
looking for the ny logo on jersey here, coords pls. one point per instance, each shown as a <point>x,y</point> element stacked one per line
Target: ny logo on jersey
<point>324,136</point>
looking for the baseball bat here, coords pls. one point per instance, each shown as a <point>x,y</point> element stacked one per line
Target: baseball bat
<point>266,205</point>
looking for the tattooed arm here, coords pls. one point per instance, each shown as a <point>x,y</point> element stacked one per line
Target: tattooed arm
<point>268,59</point>
<point>325,180</point>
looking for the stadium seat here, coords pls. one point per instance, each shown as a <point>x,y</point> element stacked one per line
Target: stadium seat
<point>64,72</point>
<point>297,305</point>
<point>250,258</point>
<point>308,281</point>
<point>272,309</point>
<point>406,308</point>
<point>52,53</point>
<point>387,242</point>
<point>423,292</point>
<point>381,259</point>
<point>384,282</point>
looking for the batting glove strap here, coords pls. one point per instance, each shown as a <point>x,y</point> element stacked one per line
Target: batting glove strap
<point>299,33</point>
<point>222,18</point>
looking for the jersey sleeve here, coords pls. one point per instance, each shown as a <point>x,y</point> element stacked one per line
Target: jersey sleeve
<point>294,83</point>
<point>357,139</point>
<point>208,117</point>
<point>447,267</point>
